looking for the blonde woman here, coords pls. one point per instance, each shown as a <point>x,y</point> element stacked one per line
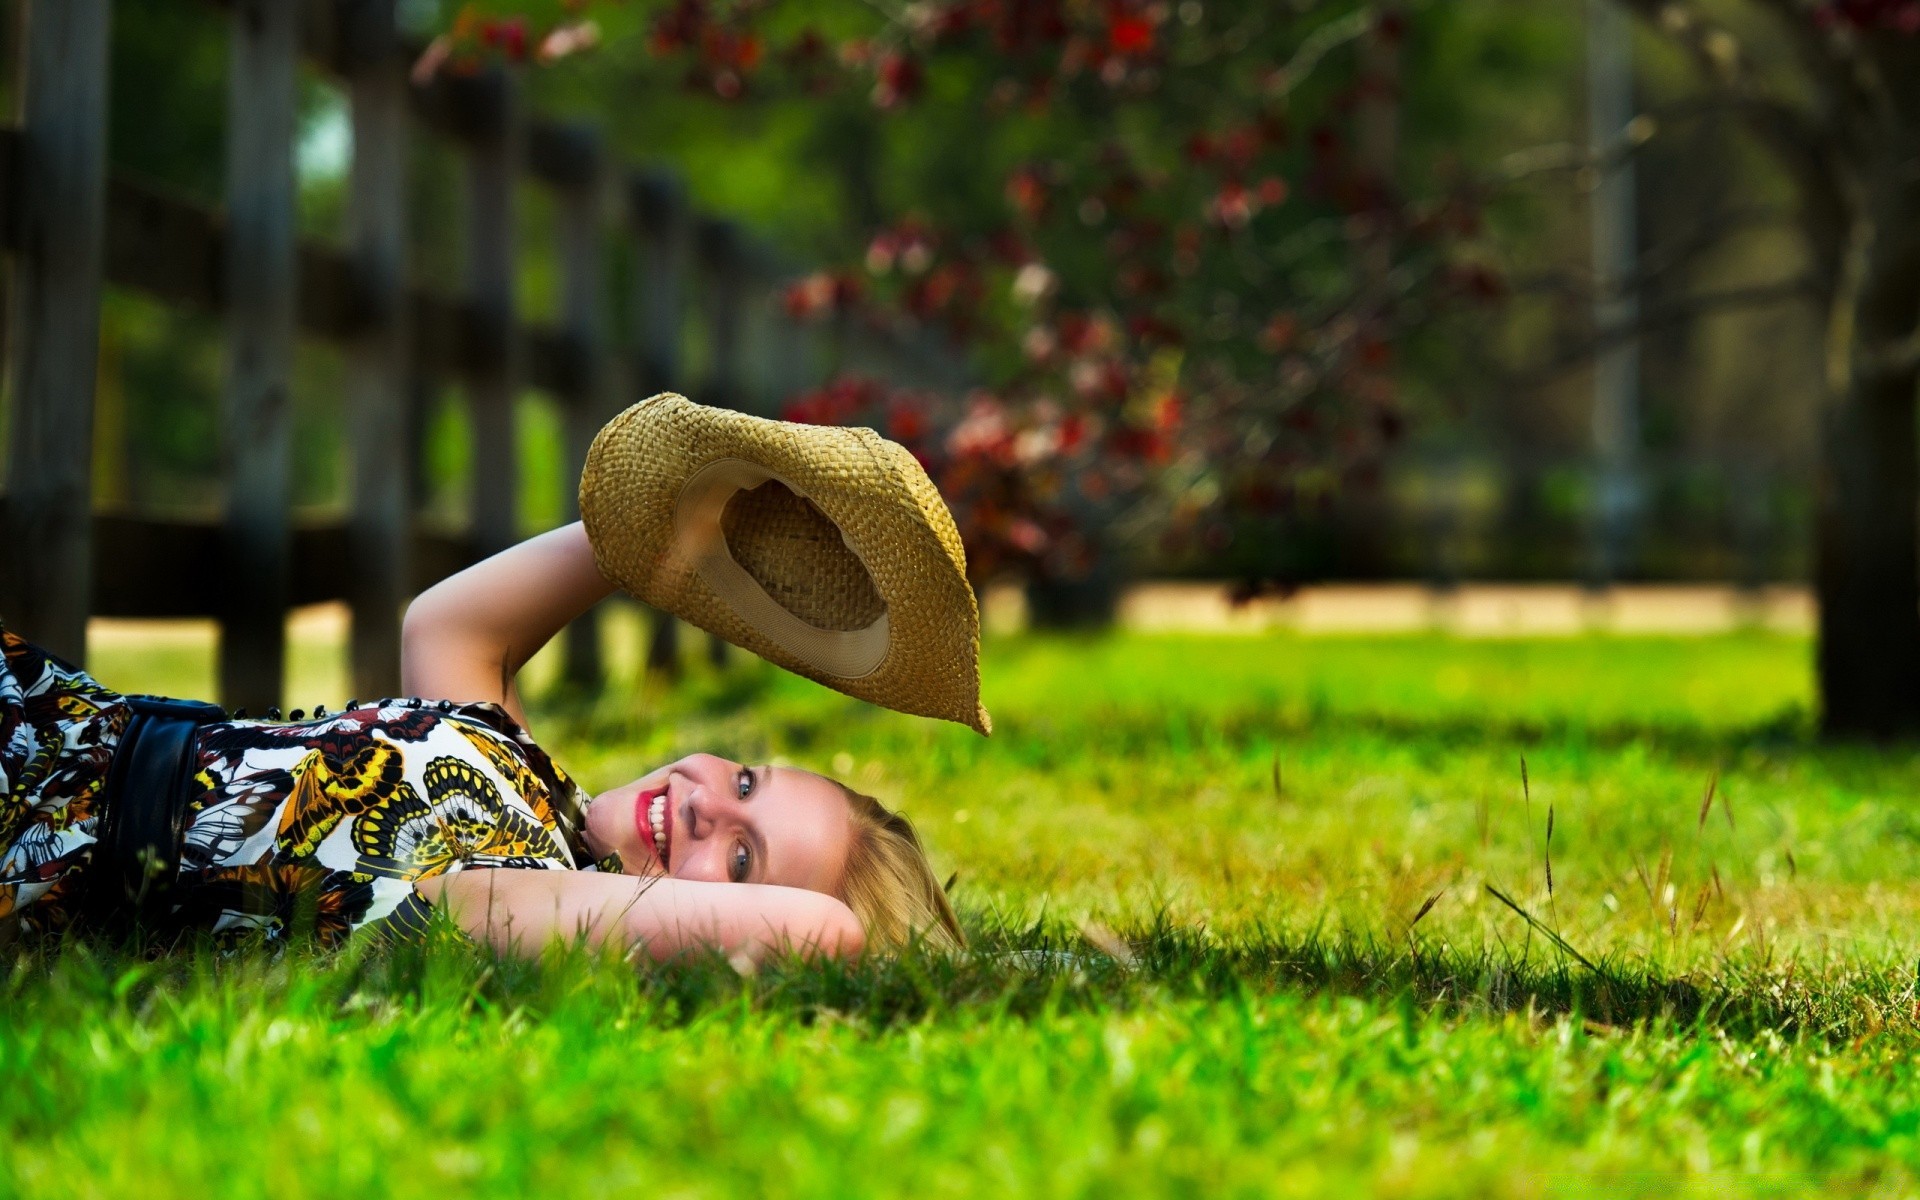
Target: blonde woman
<point>130,809</point>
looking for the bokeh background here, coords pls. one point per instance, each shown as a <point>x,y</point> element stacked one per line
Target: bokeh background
<point>1492,469</point>
<point>1260,295</point>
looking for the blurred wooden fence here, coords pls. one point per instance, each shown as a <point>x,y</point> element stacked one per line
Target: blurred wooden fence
<point>72,227</point>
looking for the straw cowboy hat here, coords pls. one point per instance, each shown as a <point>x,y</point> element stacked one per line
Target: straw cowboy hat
<point>825,550</point>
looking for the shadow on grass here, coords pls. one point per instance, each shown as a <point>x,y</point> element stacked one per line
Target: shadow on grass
<point>1012,973</point>
<point>1129,730</point>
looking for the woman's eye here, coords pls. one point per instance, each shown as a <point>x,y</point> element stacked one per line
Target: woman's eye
<point>740,863</point>
<point>743,782</point>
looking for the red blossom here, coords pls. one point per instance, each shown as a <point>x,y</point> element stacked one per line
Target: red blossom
<point>1168,409</point>
<point>1009,248</point>
<point>1026,536</point>
<point>951,22</point>
<point>1143,444</point>
<point>983,433</point>
<point>1900,16</point>
<point>1075,333</point>
<point>837,403</point>
<point>1129,33</point>
<point>1073,432</point>
<point>809,47</point>
<point>819,293</point>
<point>1232,206</point>
<point>1023,25</point>
<point>732,49</point>
<point>1279,333</point>
<point>907,418</point>
<point>508,36</point>
<point>1241,146</point>
<point>1147,330</point>
<point>1028,193</point>
<point>678,27</point>
<point>898,78</point>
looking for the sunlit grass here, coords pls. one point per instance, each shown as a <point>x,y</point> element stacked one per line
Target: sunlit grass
<point>1193,865</point>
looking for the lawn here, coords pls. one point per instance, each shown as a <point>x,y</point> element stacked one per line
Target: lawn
<point>1254,916</point>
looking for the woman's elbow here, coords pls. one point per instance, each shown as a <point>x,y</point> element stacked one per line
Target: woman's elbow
<point>827,928</point>
<point>842,934</point>
<point>418,623</point>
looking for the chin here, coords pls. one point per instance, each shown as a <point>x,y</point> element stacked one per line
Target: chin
<point>609,825</point>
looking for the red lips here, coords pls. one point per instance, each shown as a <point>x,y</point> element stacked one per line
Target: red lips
<point>641,803</point>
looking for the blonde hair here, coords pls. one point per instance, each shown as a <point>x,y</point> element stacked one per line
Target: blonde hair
<point>889,883</point>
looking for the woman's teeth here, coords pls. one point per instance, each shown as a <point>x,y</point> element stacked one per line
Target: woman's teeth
<point>657,821</point>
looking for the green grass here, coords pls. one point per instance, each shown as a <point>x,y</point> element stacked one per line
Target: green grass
<point>1193,866</point>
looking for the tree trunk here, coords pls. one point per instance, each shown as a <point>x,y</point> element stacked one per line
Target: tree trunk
<point>1867,571</point>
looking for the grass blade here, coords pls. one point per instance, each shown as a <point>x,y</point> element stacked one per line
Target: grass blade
<point>1555,938</point>
<point>1549,859</point>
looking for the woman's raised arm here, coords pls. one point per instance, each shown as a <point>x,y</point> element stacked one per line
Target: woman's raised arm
<point>521,912</point>
<point>466,637</point>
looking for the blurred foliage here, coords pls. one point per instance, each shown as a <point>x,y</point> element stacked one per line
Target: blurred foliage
<point>826,177</point>
<point>1195,299</point>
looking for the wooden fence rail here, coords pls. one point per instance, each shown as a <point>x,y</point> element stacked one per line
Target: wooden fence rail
<point>72,227</point>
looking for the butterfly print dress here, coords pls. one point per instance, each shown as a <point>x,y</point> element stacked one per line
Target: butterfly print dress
<point>294,828</point>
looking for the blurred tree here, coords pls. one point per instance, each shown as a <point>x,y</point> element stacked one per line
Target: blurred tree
<point>1831,90</point>
<point>1189,293</point>
<point>1192,247</point>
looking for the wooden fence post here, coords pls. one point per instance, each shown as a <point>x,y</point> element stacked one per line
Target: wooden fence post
<point>45,549</point>
<point>493,171</point>
<point>262,94</point>
<point>659,210</point>
<point>378,530</point>
<point>791,370</point>
<point>583,294</point>
<point>723,283</point>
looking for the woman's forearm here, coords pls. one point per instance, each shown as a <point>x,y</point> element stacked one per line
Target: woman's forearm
<point>473,631</point>
<point>522,912</point>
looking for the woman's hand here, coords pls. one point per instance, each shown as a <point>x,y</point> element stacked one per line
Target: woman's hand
<point>466,637</point>
<point>522,911</point>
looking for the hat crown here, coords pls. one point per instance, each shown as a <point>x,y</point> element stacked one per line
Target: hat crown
<point>793,551</point>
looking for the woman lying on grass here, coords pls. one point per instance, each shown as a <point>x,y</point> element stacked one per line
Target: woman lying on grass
<point>123,809</point>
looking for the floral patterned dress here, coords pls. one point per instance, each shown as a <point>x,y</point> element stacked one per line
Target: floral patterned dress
<point>312,828</point>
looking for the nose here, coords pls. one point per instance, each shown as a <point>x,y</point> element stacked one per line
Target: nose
<point>707,812</point>
<point>710,802</point>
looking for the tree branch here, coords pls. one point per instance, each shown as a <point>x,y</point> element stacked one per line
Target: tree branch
<point>1666,315</point>
<point>1832,57</point>
<point>1662,260</point>
<point>1320,43</point>
<point>1811,150</point>
<point>1889,361</point>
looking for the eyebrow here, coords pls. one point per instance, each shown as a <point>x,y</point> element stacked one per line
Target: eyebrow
<point>753,830</point>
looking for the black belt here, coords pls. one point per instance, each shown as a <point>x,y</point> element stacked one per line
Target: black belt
<point>145,796</point>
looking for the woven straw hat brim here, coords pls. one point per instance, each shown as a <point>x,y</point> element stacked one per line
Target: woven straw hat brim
<point>659,497</point>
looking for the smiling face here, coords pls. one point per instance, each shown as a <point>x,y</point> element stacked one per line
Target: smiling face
<point>712,819</point>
